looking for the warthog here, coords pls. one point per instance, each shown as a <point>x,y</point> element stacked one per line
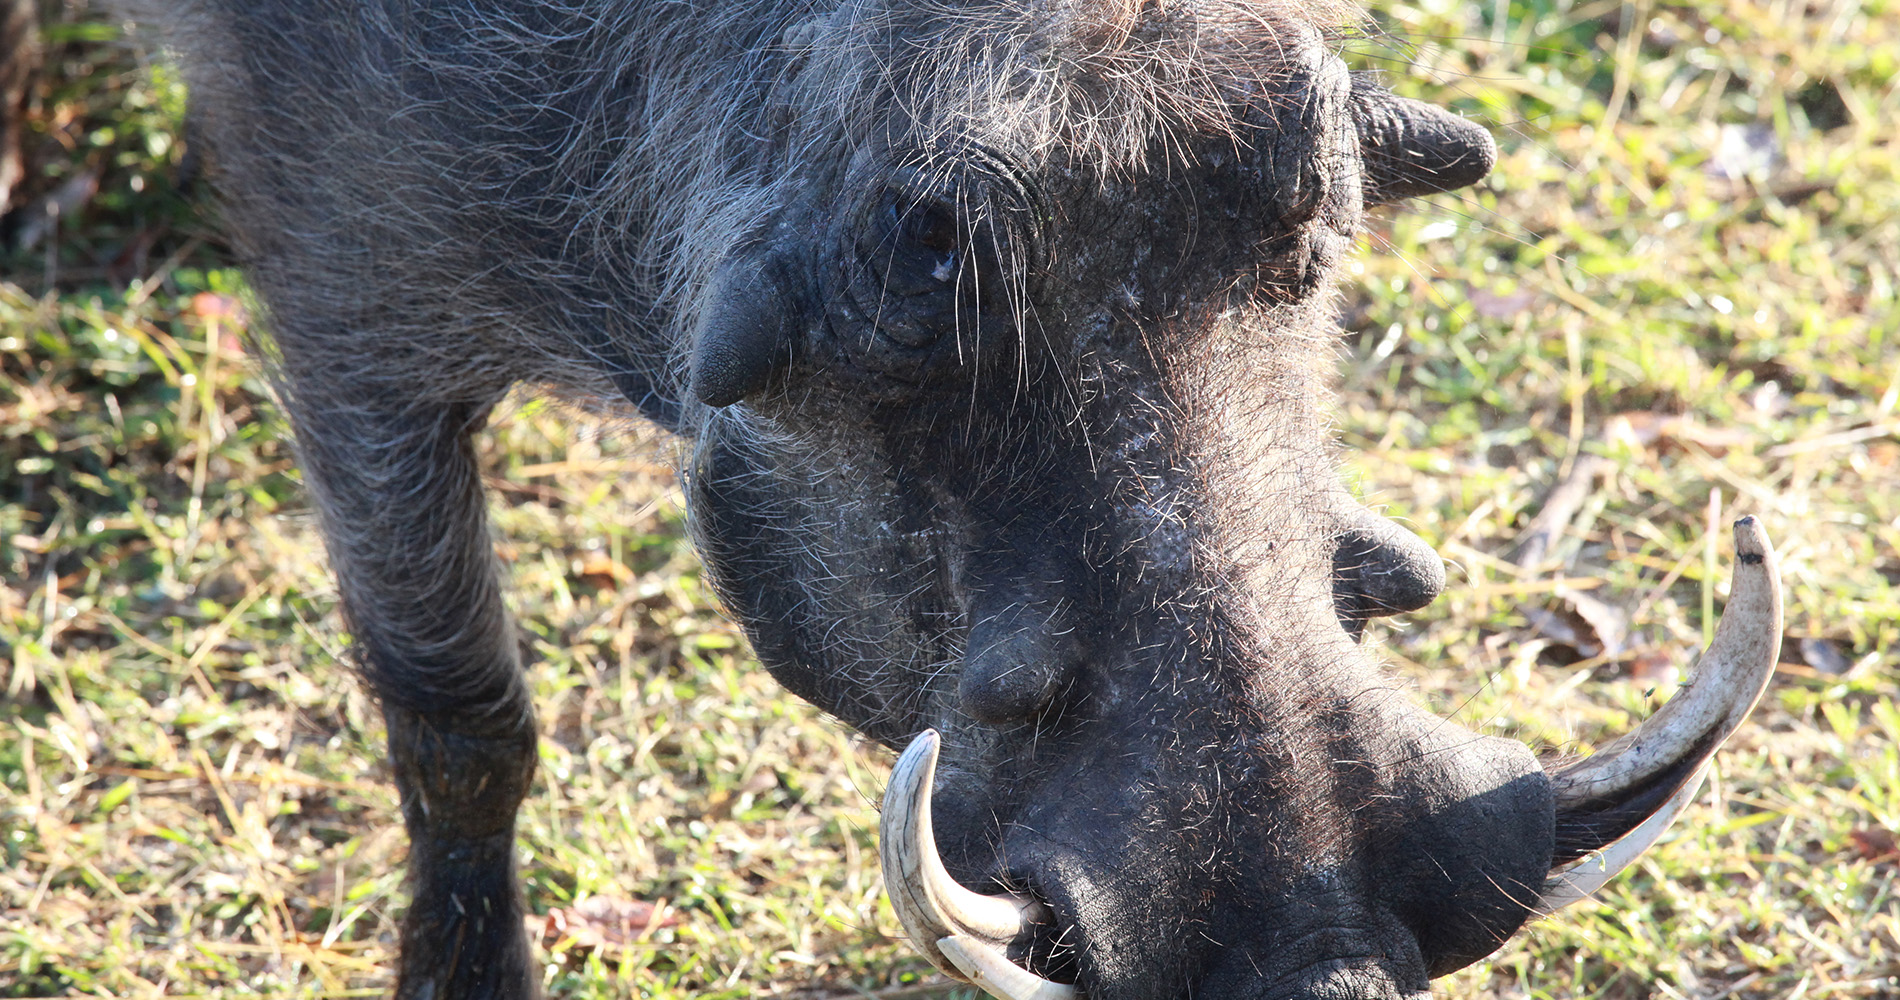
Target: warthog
<point>1001,333</point>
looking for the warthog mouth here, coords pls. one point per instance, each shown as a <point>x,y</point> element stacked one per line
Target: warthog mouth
<point>1610,806</point>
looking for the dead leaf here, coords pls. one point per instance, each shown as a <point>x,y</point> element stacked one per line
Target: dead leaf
<point>1608,623</point>
<point>1658,664</point>
<point>1875,843</point>
<point>599,923</point>
<point>1817,658</point>
<point>210,305</point>
<point>1883,455</point>
<point>1825,656</point>
<point>598,569</point>
<point>1590,626</point>
<point>1559,627</point>
<point>1641,430</point>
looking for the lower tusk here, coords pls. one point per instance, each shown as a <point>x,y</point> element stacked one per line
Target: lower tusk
<point>1583,879</point>
<point>930,904</point>
<point>990,971</point>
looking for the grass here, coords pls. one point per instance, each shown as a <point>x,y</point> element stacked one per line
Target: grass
<point>1685,264</point>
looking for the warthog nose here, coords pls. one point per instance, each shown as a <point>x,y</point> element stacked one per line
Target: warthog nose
<point>1017,658</point>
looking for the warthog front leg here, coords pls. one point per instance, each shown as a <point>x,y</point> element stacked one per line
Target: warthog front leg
<point>463,935</point>
<point>404,518</point>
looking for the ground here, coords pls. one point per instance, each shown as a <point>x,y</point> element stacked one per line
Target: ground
<point>1676,296</point>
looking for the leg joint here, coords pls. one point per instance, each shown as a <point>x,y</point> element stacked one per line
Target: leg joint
<point>461,777</point>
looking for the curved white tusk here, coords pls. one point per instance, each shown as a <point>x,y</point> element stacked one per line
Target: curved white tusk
<point>996,975</point>
<point>1730,678</point>
<point>930,904</point>
<point>1584,878</point>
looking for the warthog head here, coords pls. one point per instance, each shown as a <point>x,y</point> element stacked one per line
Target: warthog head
<point>1031,331</point>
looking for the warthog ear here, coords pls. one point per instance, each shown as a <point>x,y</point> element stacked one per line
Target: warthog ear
<point>1412,148</point>
<point>744,334</point>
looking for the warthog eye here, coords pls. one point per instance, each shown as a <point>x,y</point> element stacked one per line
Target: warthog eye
<point>918,271</point>
<point>914,246</point>
<point>931,259</point>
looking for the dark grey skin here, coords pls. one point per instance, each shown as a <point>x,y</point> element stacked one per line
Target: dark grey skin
<point>1000,335</point>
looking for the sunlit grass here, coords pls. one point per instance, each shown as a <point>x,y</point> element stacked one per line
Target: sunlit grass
<point>192,798</point>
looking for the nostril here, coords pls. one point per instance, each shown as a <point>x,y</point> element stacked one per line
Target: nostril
<point>1015,661</point>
